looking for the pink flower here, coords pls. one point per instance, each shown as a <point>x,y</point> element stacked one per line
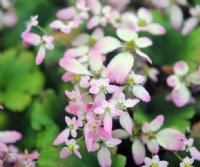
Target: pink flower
<point>10,136</point>
<point>33,22</point>
<point>45,42</point>
<point>191,149</point>
<point>72,147</point>
<point>180,81</point>
<point>193,21</point>
<point>187,162</point>
<point>133,43</point>
<point>107,109</point>
<point>155,161</point>
<point>135,83</point>
<point>102,86</point>
<point>72,127</point>
<point>144,22</point>
<point>101,14</point>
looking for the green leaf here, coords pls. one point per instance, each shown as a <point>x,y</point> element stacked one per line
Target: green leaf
<point>118,161</point>
<point>20,81</point>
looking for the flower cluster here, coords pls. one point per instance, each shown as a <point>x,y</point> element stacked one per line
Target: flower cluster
<point>9,154</point>
<point>109,75</point>
<point>181,82</point>
<point>8,16</point>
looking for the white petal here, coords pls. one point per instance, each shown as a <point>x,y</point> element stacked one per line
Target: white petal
<point>104,157</point>
<point>127,34</point>
<point>176,16</point>
<point>189,25</point>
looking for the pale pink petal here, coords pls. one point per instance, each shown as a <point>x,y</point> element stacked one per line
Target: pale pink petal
<point>112,142</point>
<point>66,14</point>
<point>157,123</point>
<point>57,24</point>
<point>131,102</point>
<point>181,68</point>
<point>120,134</point>
<point>10,136</point>
<point>77,154</point>
<point>145,14</point>
<point>73,66</point>
<point>62,137</point>
<point>146,127</point>
<point>195,153</point>
<point>119,67</point>
<point>139,79</point>
<point>145,56</point>
<point>189,25</point>
<point>153,146</point>
<point>99,110</point>
<point>176,16</point>
<point>170,139</point>
<point>107,44</point>
<point>107,122</point>
<point>97,33</point>
<point>181,96</point>
<point>93,22</point>
<point>112,88</point>
<point>40,55</point>
<point>77,52</point>
<point>141,93</point>
<point>127,35</point>
<point>104,157</point>
<point>31,38</point>
<point>143,42</point>
<point>65,153</point>
<point>173,81</point>
<point>95,6</point>
<point>156,29</point>
<point>126,122</point>
<point>138,151</point>
<point>95,60</point>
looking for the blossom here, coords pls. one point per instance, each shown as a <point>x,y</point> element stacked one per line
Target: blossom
<point>45,42</point>
<point>154,162</point>
<point>101,14</point>
<point>180,81</point>
<point>33,22</point>
<point>102,86</point>
<point>169,139</point>
<point>133,43</point>
<point>71,129</point>
<point>187,162</point>
<point>72,147</point>
<point>135,83</point>
<point>107,109</point>
<point>191,149</point>
<point>193,21</point>
<point>144,22</point>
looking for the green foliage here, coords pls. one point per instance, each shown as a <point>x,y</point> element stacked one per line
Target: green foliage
<point>20,79</point>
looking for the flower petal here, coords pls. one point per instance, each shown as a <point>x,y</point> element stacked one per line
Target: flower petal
<point>138,151</point>
<point>65,153</point>
<point>153,146</point>
<point>119,67</point>
<point>170,139</point>
<point>104,157</point>
<point>66,14</point>
<point>10,136</point>
<point>107,44</point>
<point>126,122</point>
<point>40,55</point>
<point>176,16</point>
<point>181,68</point>
<point>107,122</point>
<point>156,29</point>
<point>189,25</point>
<point>127,34</point>
<point>157,123</point>
<point>141,93</point>
<point>145,56</point>
<point>62,137</point>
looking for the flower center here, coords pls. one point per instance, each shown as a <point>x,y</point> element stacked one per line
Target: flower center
<point>130,46</point>
<point>70,147</point>
<point>154,165</point>
<point>71,126</point>
<point>107,109</point>
<point>173,1</point>
<point>76,78</point>
<point>129,81</point>
<point>187,164</point>
<point>121,106</point>
<point>91,42</point>
<point>102,89</point>
<point>142,23</point>
<point>150,135</point>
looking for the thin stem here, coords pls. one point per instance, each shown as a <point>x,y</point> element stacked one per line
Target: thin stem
<point>78,140</point>
<point>178,156</point>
